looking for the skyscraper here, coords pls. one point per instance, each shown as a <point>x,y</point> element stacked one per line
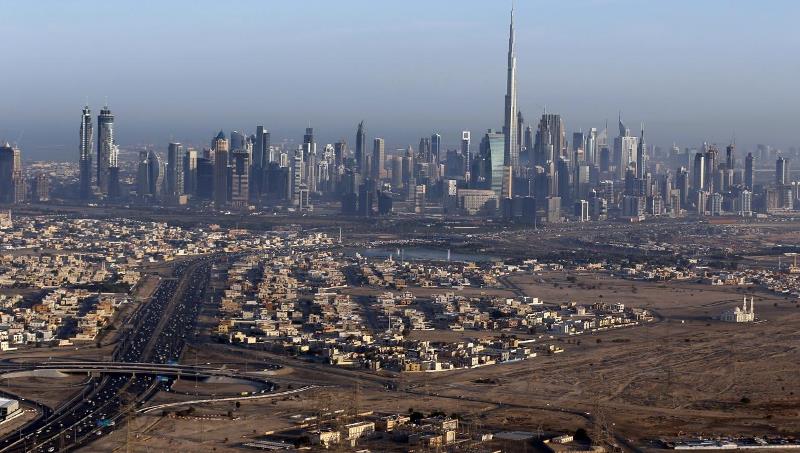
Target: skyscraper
<point>510,149</point>
<point>378,159</point>
<point>86,137</point>
<point>520,135</point>
<point>625,150</point>
<point>730,156</point>
<point>105,148</point>
<point>578,147</point>
<point>12,186</point>
<point>436,149</point>
<point>361,149</point>
<point>190,172</point>
<point>491,148</point>
<point>748,171</point>
<point>699,172</point>
<point>782,171</point>
<point>465,151</point>
<point>641,157</point>
<point>260,159</point>
<point>237,141</point>
<point>220,170</point>
<point>591,147</point>
<point>424,151</point>
<point>550,140</point>
<point>155,174</point>
<point>240,166</point>
<point>175,169</point>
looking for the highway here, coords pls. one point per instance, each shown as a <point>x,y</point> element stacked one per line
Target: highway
<point>157,335</point>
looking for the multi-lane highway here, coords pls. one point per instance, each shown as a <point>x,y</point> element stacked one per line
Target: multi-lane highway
<point>157,334</point>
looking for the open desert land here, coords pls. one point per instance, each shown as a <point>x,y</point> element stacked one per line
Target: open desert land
<point>684,372</point>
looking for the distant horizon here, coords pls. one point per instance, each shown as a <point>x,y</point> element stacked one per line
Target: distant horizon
<point>182,70</point>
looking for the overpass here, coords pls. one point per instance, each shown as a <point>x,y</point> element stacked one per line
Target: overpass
<point>11,370</point>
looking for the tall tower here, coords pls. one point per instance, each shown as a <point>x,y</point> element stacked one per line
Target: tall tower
<point>748,172</point>
<point>12,184</point>
<point>105,148</point>
<point>641,156</point>
<point>86,138</point>
<point>510,149</point>
<point>175,153</point>
<point>782,171</point>
<point>221,148</point>
<point>378,158</point>
<point>361,149</point>
<point>465,151</point>
<point>436,149</point>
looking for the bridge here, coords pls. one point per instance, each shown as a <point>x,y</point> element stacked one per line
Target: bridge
<point>11,370</point>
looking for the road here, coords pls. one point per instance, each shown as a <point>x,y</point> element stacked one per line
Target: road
<point>157,335</point>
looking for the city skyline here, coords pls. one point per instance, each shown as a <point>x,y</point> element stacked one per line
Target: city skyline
<point>439,89</point>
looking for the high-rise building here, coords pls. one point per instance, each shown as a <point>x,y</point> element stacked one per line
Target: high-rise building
<point>711,165</point>
<point>436,149</point>
<point>553,209</point>
<point>749,174</point>
<point>340,152</point>
<point>699,172</point>
<point>261,157</point>
<point>12,184</point>
<point>297,178</point>
<point>221,151</point>
<point>424,151</point>
<point>551,141</point>
<point>730,156</point>
<point>85,141</point>
<point>40,188</point>
<point>528,143</point>
<point>261,148</point>
<point>310,160</point>
<point>641,157</point>
<point>578,147</point>
<point>142,176</point>
<point>465,151</point>
<point>520,136</point>
<point>106,152</point>
<point>716,204</point>
<point>205,179</point>
<point>591,146</point>
<point>397,172</point>
<point>744,205</point>
<point>510,149</point>
<point>361,149</point>
<point>582,211</point>
<point>492,152</point>
<point>155,174</point>
<point>190,172</point>
<point>240,174</point>
<point>175,153</point>
<point>782,171</point>
<point>378,159</point>
<point>625,150</point>
<point>237,141</point>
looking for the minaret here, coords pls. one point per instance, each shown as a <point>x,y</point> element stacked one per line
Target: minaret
<point>511,150</point>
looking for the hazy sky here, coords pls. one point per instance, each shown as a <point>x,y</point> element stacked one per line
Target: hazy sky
<point>692,70</point>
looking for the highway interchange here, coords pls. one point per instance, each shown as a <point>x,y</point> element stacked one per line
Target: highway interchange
<point>158,332</point>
